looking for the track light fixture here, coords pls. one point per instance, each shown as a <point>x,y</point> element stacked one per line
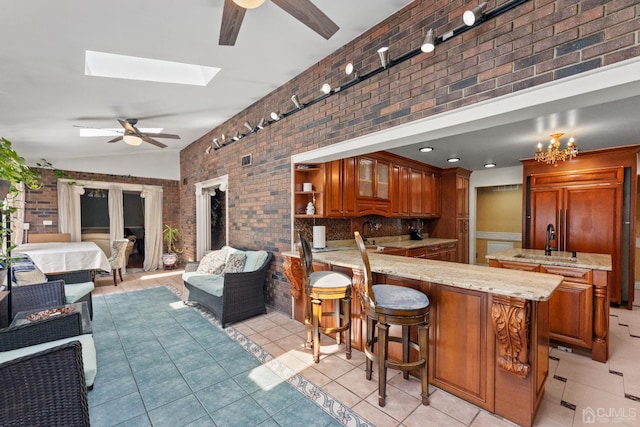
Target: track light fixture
<point>428,45</point>
<point>262,123</point>
<point>275,116</point>
<point>208,150</point>
<point>296,101</point>
<point>248,126</point>
<point>471,16</point>
<point>216,143</point>
<point>236,136</point>
<point>223,138</point>
<point>351,69</point>
<point>383,52</point>
<point>326,88</point>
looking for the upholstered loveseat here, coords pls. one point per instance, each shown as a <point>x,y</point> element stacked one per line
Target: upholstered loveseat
<point>229,282</point>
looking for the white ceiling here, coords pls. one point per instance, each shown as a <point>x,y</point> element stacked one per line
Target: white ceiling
<point>44,92</point>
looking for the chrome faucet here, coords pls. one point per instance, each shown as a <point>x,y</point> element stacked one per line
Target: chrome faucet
<point>551,234</point>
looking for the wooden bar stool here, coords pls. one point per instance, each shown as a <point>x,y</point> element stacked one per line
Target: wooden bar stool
<point>386,305</point>
<point>319,286</point>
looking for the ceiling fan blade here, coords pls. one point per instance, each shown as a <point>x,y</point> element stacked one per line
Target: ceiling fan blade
<point>232,16</point>
<point>309,14</point>
<point>162,135</point>
<point>152,141</point>
<point>116,139</point>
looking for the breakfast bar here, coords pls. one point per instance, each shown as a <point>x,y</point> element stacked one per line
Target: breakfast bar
<point>489,328</point>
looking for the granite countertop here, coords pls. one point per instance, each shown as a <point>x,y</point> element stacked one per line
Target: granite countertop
<point>557,258</point>
<point>499,281</point>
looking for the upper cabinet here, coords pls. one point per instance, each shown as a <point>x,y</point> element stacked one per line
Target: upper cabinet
<point>340,186</point>
<point>309,188</point>
<point>376,184</point>
<point>372,179</point>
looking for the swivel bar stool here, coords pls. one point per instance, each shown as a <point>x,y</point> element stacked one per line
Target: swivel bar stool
<point>319,286</point>
<point>386,305</point>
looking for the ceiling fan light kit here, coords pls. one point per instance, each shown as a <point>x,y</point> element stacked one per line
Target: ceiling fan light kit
<point>249,4</point>
<point>429,44</point>
<point>132,140</point>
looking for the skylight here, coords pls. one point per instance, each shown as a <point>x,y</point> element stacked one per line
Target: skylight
<point>100,64</point>
<point>90,132</point>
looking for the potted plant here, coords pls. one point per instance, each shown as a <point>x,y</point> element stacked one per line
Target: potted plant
<point>14,170</point>
<point>171,235</point>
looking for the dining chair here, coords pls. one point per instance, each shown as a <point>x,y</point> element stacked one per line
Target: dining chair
<point>386,305</point>
<point>320,286</point>
<point>117,259</point>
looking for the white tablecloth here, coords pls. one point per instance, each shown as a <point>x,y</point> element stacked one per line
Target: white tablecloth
<point>69,256</point>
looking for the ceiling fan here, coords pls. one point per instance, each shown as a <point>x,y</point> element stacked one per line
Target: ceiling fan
<point>303,10</point>
<point>133,136</point>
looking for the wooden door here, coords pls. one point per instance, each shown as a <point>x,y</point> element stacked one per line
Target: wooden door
<point>399,190</point>
<point>416,193</point>
<point>333,186</point>
<point>462,234</point>
<point>348,186</point>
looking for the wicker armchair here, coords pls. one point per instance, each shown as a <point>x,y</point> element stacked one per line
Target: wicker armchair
<point>78,286</point>
<point>33,297</point>
<point>45,389</point>
<point>47,333</point>
<point>242,297</point>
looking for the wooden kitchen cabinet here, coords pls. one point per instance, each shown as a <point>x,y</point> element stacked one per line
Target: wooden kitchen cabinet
<point>373,179</point>
<point>340,200</point>
<point>454,219</point>
<point>314,174</point>
<point>579,307</point>
<point>400,190</point>
<point>586,209</point>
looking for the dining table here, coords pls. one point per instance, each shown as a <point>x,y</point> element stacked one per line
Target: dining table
<point>58,257</point>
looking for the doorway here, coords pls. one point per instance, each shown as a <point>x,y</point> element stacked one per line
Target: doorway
<point>218,219</point>
<point>206,192</point>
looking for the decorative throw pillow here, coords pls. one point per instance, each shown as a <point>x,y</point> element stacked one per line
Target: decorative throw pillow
<point>213,262</point>
<point>235,263</point>
<point>25,272</point>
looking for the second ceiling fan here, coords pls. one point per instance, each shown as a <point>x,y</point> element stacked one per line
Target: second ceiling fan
<point>303,10</point>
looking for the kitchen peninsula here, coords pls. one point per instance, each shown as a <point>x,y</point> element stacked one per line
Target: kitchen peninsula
<point>489,328</point>
<point>579,309</point>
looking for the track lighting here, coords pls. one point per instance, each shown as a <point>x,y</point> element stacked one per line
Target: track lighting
<point>215,142</point>
<point>351,69</point>
<point>296,101</point>
<point>236,136</point>
<point>326,88</point>
<point>262,123</point>
<point>383,52</point>
<point>428,44</point>
<point>223,138</point>
<point>471,16</point>
<point>248,126</point>
<point>208,150</point>
<point>275,115</point>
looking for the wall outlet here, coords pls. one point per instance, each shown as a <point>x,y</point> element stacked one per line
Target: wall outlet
<point>47,222</point>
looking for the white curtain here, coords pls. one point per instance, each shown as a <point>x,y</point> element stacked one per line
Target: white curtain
<point>116,213</point>
<point>152,228</point>
<point>17,218</point>
<point>69,209</point>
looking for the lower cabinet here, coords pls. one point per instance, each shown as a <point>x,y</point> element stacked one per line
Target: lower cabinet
<point>578,309</point>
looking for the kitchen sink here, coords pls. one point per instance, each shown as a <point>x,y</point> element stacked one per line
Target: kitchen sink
<point>537,257</point>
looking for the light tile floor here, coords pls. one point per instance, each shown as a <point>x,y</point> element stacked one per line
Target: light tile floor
<point>579,391</point>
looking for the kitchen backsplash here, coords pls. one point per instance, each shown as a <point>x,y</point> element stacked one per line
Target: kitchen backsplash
<point>342,229</point>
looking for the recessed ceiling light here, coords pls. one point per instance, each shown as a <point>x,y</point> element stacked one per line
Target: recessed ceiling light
<point>101,64</point>
<point>489,165</point>
<point>426,149</point>
<point>88,132</point>
<point>453,159</point>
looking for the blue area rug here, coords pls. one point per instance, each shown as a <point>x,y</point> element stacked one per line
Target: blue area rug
<point>161,363</point>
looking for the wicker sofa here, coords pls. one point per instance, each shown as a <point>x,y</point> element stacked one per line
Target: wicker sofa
<point>233,292</point>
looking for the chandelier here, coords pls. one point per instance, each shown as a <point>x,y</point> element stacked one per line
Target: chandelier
<point>554,154</point>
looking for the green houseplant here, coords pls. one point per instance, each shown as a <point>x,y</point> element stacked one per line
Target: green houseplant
<point>170,235</point>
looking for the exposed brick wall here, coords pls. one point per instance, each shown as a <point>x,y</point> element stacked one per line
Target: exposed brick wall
<point>538,42</point>
<point>42,204</point>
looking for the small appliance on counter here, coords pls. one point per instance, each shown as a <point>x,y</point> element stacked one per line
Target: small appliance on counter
<point>415,232</point>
